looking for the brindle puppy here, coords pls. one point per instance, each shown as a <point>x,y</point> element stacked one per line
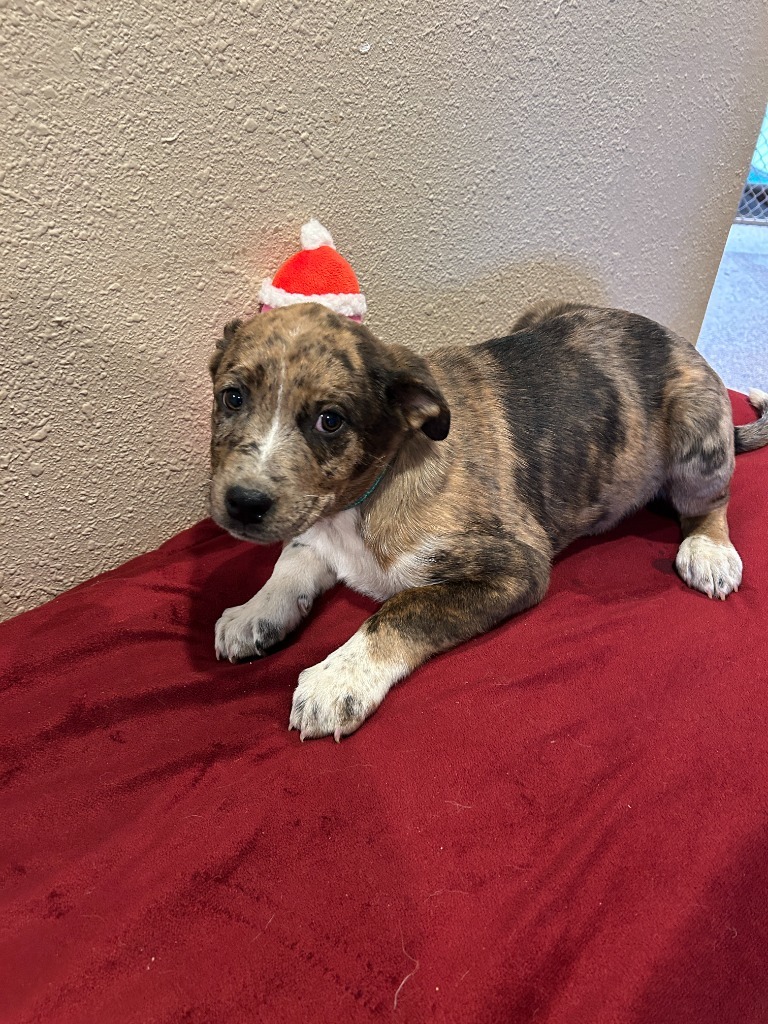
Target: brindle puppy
<point>443,487</point>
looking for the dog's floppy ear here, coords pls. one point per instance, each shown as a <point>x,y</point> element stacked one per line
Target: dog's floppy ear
<point>230,330</point>
<point>413,389</point>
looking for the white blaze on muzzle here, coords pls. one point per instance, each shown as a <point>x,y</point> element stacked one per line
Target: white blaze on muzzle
<point>271,442</point>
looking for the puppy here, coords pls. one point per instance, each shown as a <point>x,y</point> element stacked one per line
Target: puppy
<point>444,486</point>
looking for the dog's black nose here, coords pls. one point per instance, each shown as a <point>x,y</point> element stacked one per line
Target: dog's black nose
<point>247,506</point>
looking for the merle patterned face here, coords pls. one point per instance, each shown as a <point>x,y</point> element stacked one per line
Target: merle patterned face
<point>308,409</point>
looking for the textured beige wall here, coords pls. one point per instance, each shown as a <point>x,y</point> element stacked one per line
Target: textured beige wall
<point>158,159</point>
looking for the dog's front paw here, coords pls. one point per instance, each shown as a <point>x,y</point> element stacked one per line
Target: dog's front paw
<point>335,697</point>
<point>714,569</point>
<point>246,631</point>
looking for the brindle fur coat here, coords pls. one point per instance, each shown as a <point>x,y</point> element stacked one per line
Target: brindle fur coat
<point>443,485</point>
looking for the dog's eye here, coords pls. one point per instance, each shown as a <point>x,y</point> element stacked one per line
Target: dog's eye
<point>329,422</point>
<point>232,399</point>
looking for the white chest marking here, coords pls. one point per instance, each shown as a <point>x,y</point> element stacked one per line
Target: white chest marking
<point>339,543</point>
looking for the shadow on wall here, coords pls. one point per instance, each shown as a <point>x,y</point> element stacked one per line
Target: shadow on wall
<point>464,312</point>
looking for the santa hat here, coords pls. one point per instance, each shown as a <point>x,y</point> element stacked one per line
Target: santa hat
<point>315,274</point>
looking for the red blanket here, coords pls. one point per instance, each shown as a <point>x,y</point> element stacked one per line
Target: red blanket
<point>561,821</point>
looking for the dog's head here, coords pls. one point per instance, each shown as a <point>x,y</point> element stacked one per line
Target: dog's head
<point>308,410</point>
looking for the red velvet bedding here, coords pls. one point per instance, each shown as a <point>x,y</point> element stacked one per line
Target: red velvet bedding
<point>562,821</point>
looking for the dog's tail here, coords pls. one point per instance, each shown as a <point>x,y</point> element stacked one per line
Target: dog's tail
<point>754,435</point>
<point>544,311</point>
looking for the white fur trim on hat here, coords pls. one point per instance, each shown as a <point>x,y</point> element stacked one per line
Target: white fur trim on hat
<point>347,305</point>
<point>313,235</point>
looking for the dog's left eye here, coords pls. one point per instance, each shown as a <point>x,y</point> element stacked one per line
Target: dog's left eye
<point>329,422</point>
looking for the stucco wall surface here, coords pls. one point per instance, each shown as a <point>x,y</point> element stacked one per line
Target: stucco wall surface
<point>159,156</point>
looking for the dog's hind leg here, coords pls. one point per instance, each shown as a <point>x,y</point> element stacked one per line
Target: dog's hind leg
<point>706,559</point>
<point>701,466</point>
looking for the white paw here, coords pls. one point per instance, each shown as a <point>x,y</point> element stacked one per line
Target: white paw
<point>335,697</point>
<point>250,629</point>
<point>714,569</point>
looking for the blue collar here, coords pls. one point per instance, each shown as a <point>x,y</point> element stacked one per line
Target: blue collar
<point>369,492</point>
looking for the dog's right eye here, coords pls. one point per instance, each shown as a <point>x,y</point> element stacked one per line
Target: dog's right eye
<point>232,399</point>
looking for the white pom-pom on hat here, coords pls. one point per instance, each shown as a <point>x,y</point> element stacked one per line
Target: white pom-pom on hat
<point>313,235</point>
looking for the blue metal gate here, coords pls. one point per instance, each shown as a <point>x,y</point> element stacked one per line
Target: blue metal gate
<point>753,205</point>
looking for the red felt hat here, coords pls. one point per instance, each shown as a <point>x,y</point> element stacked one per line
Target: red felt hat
<point>315,274</point>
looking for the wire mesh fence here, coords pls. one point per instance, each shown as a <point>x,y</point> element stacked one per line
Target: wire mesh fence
<point>753,205</point>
